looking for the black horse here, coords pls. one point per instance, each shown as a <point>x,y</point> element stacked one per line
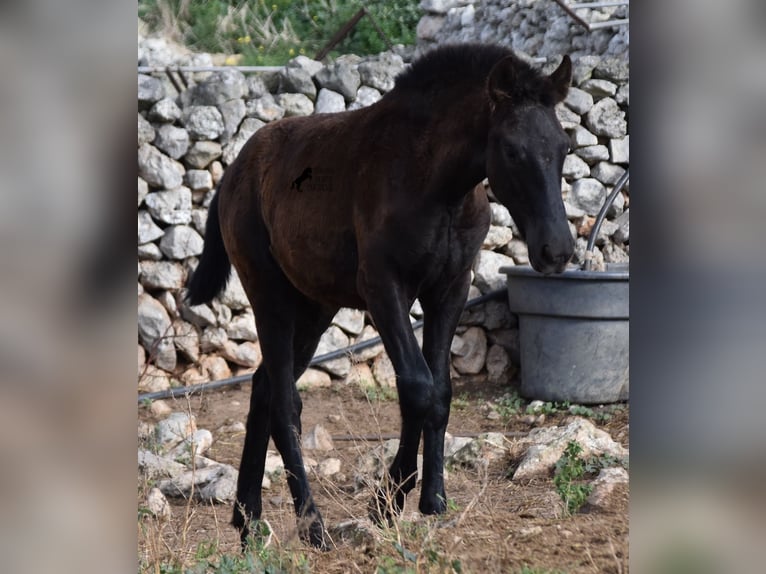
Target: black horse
<point>371,209</point>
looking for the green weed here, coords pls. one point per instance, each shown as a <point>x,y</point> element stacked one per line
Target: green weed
<point>567,478</point>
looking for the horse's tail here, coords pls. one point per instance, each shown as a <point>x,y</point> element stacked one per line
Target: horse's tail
<point>212,273</point>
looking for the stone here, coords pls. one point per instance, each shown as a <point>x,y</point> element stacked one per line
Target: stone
<point>498,362</point>
<point>146,132</point>
<point>232,112</point>
<point>592,154</point>
<point>168,300</point>
<point>332,340</point>
<point>219,87</point>
<point>157,169</point>
<point>368,333</point>
<point>265,108</point>
<point>599,88</point>
<point>579,101</point>
<point>607,173</point>
<point>383,371</point>
<point>588,194</point>
<point>175,428</point>
<point>329,467</point>
<point>216,170</point>
<point>222,312</point>
<point>154,466</point>
<point>247,354</point>
<point>295,104</point>
<point>619,150</point>
<point>361,376</point>
<point>236,427</point>
<point>157,504</point>
<point>180,242</point>
<point>612,69</point>
<point>605,494</point>
<point>162,275</point>
<point>500,215</point>
<point>329,102</point>
<point>150,90</point>
<point>380,71</point>
<point>200,315</point>
<point>198,180</point>
<point>203,122</point>
<point>350,320</point>
<point>519,251</point>
<point>172,140</point>
<point>606,118</point>
<point>487,277</point>
<point>342,78</point>
<point>141,358</point>
<point>148,231</point>
<point>242,327</point>
<point>297,81</point>
<point>545,446</point>
<point>582,68</point>
<point>622,97</point>
<point>223,488</point>
<point>233,295</point>
<point>196,444</point>
<point>472,352</point>
<point>614,254</point>
<point>318,439</point>
<point>165,111</point>
<point>199,220</point>
<point>214,483</point>
<point>149,251</point>
<point>213,339</point>
<point>201,153</point>
<point>428,27</point>
<point>172,206</point>
<point>143,190</point>
<point>305,63</point>
<point>247,129</point>
<point>216,368</point>
<point>365,96</point>
<point>313,379</point>
<point>153,321</point>
<point>497,237</point>
<point>153,379</point>
<point>567,118</point>
<point>574,167</point>
<point>186,340</point>
<point>581,137</point>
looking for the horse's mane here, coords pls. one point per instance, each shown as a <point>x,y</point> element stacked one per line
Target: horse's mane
<point>452,66</point>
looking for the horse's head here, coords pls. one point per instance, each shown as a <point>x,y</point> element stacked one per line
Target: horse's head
<point>525,156</point>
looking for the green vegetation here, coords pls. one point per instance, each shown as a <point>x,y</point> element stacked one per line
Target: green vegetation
<point>509,405</point>
<point>568,478</point>
<point>270,32</point>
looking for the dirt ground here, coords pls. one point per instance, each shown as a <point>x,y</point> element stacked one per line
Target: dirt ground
<point>493,524</point>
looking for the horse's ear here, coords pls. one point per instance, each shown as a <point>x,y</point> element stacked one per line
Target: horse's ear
<point>560,79</point>
<point>501,80</point>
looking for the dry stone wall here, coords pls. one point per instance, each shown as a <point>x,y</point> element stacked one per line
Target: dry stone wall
<point>187,140</point>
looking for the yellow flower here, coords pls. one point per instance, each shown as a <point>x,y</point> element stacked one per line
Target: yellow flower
<point>244,39</point>
<point>274,7</point>
<point>291,52</point>
<point>301,51</point>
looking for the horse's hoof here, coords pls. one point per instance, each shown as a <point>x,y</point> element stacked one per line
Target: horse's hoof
<point>384,506</point>
<point>433,505</point>
<point>316,535</point>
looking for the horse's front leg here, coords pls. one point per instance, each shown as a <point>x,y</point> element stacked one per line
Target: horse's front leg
<point>390,310</point>
<point>442,308</point>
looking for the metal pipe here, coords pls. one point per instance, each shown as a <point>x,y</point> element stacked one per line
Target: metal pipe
<point>192,389</point>
<point>608,24</point>
<point>588,263</point>
<point>578,6</point>
<point>193,69</point>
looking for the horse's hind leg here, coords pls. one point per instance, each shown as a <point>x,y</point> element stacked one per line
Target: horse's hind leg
<point>442,308</point>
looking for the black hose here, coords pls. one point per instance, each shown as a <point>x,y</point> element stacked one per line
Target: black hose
<point>588,263</point>
<point>192,389</point>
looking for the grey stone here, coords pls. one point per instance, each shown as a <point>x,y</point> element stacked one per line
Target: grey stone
<point>497,237</point>
<point>172,206</point>
<point>368,333</point>
<point>580,137</point>
<point>154,466</point>
<point>242,327</point>
<point>487,277</point>
<point>622,235</point>
<point>198,220</point>
<point>318,439</point>
<point>145,131</point>
<point>607,173</point>
<point>203,122</point>
<point>612,69</point>
<point>196,444</point>
<point>297,81</point>
<point>198,180</point>
<point>157,504</point>
<point>599,88</point>
<point>500,215</point>
<point>582,68</point>
<point>168,300</point>
<point>567,118</point>
<point>213,339</point>
<point>588,194</point>
<point>216,368</point>
<point>150,90</point>
<point>333,339</point>
<point>215,483</point>
<point>602,497</point>
<point>619,150</point>
<point>232,112</point>
<point>295,104</point>
<point>329,467</point>
<point>498,363</point>
<point>341,77</point>
<point>180,242</point>
<point>383,371</point>
<point>157,169</point>
<point>148,231</point>
<point>220,87</point>
<point>365,96</point>
<point>164,354</point>
<point>247,354</point>
<point>350,320</point>
<point>165,111</point>
<point>172,140</point>
<point>162,275</point>
<point>329,102</point>
<point>572,211</point>
<point>579,101</point>
<point>248,128</point>
<point>186,340</point>
<point>201,153</point>
<point>200,315</point>
<point>233,295</point>
<point>615,254</point>
<point>379,72</point>
<point>592,153</point>
<point>152,380</point>
<point>153,321</point>
<point>606,119</point>
<point>428,26</point>
<point>149,252</point>
<point>313,379</point>
<point>574,167</point>
<point>265,108</point>
<point>143,189</point>
<point>519,251</point>
<point>306,63</point>
<point>222,312</point>
<point>175,428</point>
<point>255,87</point>
<point>472,352</point>
<point>622,97</point>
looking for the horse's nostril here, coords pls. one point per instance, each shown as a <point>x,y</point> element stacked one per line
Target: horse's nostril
<point>547,253</point>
